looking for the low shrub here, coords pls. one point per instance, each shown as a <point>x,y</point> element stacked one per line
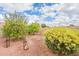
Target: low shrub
<point>14,26</point>
<point>62,40</point>
<point>33,28</point>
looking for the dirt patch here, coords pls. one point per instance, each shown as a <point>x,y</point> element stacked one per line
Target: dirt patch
<point>36,45</point>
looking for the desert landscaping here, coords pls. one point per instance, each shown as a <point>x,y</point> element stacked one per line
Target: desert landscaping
<point>38,32</point>
<point>35,43</point>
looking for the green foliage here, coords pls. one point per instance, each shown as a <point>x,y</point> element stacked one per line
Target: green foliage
<point>62,40</point>
<point>32,28</point>
<point>15,26</point>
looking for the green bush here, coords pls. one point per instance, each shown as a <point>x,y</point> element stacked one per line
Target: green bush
<point>33,28</point>
<point>14,26</point>
<point>62,40</point>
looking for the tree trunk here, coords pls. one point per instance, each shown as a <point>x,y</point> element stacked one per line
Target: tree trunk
<point>25,45</point>
<point>7,42</point>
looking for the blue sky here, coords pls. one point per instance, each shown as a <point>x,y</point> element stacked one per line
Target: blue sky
<point>48,13</point>
<point>34,11</point>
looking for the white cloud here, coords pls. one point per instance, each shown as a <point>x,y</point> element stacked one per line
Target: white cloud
<point>16,6</point>
<point>61,20</point>
<point>32,18</point>
<point>69,13</point>
<point>49,11</point>
<point>1,16</point>
<point>71,8</point>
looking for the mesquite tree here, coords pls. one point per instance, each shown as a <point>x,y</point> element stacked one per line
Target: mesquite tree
<point>14,27</point>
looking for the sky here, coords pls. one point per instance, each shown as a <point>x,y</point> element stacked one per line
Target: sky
<point>51,14</point>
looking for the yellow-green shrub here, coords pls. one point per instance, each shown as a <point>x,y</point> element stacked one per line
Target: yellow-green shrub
<point>32,28</point>
<point>14,27</point>
<point>62,40</point>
